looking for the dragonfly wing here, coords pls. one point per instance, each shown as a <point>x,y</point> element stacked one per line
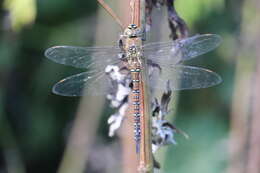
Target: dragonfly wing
<point>183,77</point>
<point>86,83</point>
<point>83,57</point>
<point>174,52</point>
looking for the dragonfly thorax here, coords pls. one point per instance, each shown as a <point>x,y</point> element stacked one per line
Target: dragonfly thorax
<point>131,43</point>
<point>132,49</point>
<point>133,55</point>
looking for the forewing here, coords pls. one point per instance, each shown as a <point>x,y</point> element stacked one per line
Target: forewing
<point>183,77</point>
<point>86,83</point>
<point>83,57</point>
<point>174,52</point>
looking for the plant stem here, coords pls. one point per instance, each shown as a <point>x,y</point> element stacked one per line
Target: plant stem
<point>244,135</point>
<point>146,159</point>
<point>84,128</point>
<point>111,12</point>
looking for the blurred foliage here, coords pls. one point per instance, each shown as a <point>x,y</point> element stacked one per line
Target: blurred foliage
<point>204,151</point>
<point>192,12</point>
<point>22,12</point>
<point>35,123</point>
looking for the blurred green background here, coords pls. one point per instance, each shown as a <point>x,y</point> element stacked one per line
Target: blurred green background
<point>35,124</point>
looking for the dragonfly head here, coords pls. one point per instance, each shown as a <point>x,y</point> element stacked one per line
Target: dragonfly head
<point>132,31</point>
<point>132,26</point>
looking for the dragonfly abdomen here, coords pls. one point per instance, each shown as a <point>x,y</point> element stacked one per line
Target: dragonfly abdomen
<point>135,77</point>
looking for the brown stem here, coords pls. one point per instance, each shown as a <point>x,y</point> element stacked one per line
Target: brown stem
<point>146,159</point>
<point>254,138</point>
<point>134,13</point>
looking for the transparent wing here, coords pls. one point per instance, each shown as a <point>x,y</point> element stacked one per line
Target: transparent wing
<point>83,57</point>
<point>174,52</point>
<point>86,83</point>
<point>183,77</point>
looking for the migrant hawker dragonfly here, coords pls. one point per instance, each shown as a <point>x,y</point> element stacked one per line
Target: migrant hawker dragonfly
<point>130,54</point>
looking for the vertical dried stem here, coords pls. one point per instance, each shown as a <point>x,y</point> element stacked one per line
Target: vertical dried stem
<point>254,136</point>
<point>146,160</point>
<point>86,121</point>
<point>134,13</point>
<point>253,165</point>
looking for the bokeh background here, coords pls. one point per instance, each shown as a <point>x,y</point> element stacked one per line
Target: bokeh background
<point>43,132</point>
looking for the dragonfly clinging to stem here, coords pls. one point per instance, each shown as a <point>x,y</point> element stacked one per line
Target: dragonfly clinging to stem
<point>130,53</point>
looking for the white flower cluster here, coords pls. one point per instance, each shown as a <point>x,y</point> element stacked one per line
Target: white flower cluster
<point>162,130</point>
<point>118,96</point>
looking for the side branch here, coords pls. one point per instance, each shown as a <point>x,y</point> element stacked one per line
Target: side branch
<point>111,12</point>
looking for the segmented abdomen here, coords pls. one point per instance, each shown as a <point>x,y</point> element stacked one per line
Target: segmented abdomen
<point>135,75</point>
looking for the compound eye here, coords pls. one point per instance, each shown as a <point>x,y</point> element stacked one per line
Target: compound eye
<point>134,26</point>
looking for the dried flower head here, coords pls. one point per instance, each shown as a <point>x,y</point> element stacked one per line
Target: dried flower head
<point>177,25</point>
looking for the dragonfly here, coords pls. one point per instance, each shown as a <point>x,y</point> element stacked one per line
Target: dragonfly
<point>168,56</point>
